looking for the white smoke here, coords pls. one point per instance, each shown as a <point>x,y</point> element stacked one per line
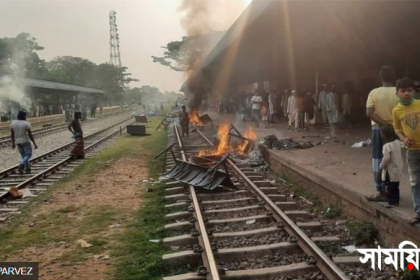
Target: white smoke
<point>13,96</point>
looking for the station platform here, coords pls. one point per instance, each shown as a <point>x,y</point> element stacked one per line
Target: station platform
<point>338,174</point>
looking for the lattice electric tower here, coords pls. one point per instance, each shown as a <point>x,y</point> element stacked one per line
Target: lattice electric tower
<point>114,40</point>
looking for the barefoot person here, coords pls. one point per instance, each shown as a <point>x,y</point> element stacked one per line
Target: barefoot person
<point>75,127</point>
<point>185,121</point>
<point>21,134</point>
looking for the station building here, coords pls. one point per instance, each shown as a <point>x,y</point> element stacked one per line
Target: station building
<point>302,44</point>
<point>28,93</point>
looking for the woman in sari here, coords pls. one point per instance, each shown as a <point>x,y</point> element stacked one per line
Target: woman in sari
<point>75,127</point>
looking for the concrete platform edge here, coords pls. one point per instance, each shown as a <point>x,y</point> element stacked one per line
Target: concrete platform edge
<point>392,227</point>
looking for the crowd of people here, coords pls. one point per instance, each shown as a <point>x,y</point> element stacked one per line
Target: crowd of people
<point>394,112</point>
<point>393,109</point>
<point>297,107</point>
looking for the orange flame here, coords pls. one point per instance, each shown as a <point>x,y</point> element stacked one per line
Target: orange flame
<point>195,119</point>
<point>223,146</point>
<point>249,134</point>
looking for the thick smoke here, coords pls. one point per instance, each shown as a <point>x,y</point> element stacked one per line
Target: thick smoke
<point>12,87</point>
<point>201,18</point>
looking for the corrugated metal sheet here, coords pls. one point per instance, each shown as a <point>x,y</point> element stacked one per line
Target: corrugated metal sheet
<point>29,82</point>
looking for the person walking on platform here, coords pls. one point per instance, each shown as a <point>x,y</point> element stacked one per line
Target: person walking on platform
<point>379,105</point>
<point>271,106</point>
<point>310,107</point>
<point>406,117</point>
<point>322,103</point>
<point>284,102</point>
<point>302,110</point>
<point>75,128</point>
<point>256,101</point>
<point>21,134</point>
<point>293,111</point>
<point>93,111</point>
<point>185,121</point>
<point>331,101</point>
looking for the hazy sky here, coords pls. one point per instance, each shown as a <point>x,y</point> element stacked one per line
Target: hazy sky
<point>81,28</point>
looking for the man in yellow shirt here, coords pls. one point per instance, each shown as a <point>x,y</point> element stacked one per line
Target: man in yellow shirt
<point>379,107</point>
<point>406,117</point>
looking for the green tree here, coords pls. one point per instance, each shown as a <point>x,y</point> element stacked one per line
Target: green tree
<point>190,51</point>
<point>19,56</point>
<point>72,70</point>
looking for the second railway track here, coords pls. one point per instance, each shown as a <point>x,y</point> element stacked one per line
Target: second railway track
<point>49,168</point>
<point>251,233</point>
<point>5,141</point>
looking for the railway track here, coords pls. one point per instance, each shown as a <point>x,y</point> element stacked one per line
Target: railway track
<point>49,168</point>
<point>5,141</point>
<point>250,233</point>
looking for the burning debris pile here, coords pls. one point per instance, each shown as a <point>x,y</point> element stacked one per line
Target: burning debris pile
<point>271,142</point>
<point>195,119</point>
<point>225,146</point>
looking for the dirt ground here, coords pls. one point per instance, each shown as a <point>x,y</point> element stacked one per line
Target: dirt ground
<point>118,188</point>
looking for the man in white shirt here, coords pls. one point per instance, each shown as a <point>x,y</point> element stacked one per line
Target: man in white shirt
<point>256,101</point>
<point>21,134</point>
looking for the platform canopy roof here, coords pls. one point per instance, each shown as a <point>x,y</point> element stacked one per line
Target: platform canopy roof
<point>37,83</point>
<point>275,39</point>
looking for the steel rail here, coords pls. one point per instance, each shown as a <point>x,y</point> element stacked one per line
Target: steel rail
<point>57,165</point>
<point>208,256</point>
<point>5,140</point>
<point>323,262</point>
<point>12,169</point>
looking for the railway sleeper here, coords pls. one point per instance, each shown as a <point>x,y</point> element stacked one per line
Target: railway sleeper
<point>187,239</point>
<point>233,254</point>
<point>291,270</point>
<point>185,214</point>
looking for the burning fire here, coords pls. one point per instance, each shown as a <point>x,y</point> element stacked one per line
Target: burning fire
<point>224,147</point>
<point>195,119</point>
<point>249,134</point>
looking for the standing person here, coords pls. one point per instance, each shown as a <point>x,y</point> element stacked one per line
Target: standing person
<point>391,165</point>
<point>406,124</point>
<point>256,101</point>
<point>20,131</point>
<point>310,106</point>
<point>249,107</point>
<point>302,110</point>
<point>379,105</point>
<point>84,111</point>
<point>67,112</point>
<point>75,127</point>
<point>346,104</point>
<point>93,111</point>
<point>285,102</point>
<point>331,101</point>
<point>293,110</point>
<point>101,109</point>
<point>185,121</point>
<point>264,114</point>
<point>272,106</point>
<point>322,103</point>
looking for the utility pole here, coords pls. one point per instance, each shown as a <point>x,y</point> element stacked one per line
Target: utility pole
<point>114,40</point>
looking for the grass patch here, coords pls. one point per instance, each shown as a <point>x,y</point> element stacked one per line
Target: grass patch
<point>299,190</point>
<point>137,257</point>
<point>329,211</point>
<point>97,219</point>
<point>362,232</point>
